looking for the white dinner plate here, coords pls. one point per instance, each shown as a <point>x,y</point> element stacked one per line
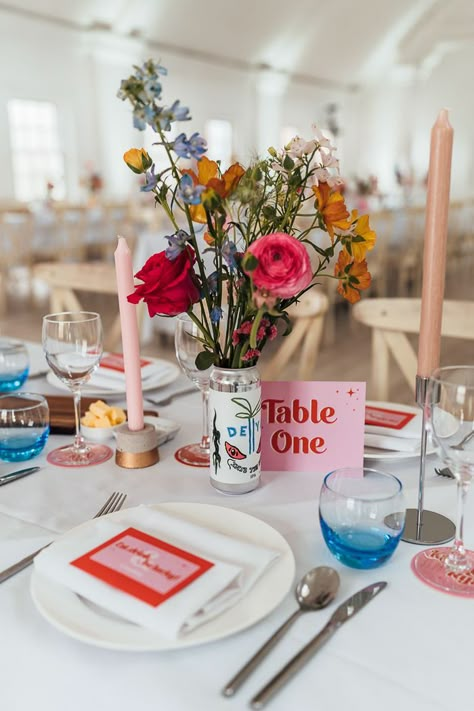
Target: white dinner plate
<point>168,373</point>
<point>89,623</point>
<point>373,453</point>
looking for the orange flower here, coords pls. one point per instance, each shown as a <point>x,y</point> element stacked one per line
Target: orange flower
<point>353,276</point>
<point>208,175</point>
<point>363,239</point>
<point>332,207</point>
<point>208,239</point>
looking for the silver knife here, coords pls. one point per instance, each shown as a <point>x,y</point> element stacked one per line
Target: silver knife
<point>343,613</point>
<point>13,476</point>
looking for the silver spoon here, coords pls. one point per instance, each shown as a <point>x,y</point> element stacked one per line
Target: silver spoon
<point>316,589</point>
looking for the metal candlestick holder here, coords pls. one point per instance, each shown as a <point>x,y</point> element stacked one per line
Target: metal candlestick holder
<point>423,527</point>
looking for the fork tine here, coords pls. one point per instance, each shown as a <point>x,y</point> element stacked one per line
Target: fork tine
<point>120,502</point>
<point>103,508</point>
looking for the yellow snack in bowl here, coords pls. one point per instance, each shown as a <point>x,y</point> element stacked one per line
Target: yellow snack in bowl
<point>100,414</point>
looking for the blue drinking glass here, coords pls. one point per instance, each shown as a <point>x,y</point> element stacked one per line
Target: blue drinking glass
<point>362,515</point>
<point>24,426</point>
<point>14,365</point>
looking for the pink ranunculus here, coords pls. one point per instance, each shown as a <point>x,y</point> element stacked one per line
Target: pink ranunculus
<point>283,268</point>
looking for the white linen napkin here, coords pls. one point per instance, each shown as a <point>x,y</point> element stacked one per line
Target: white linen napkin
<point>115,380</point>
<point>237,566</point>
<point>395,444</point>
<point>411,430</point>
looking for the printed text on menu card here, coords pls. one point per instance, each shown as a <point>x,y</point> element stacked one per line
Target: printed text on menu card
<point>143,566</point>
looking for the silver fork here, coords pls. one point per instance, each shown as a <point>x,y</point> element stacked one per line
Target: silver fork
<point>113,503</point>
<point>465,440</point>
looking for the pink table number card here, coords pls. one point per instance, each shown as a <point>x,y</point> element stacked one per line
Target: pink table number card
<point>312,426</point>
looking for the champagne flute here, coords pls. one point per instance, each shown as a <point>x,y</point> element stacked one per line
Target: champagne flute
<point>72,343</point>
<point>450,419</point>
<point>188,345</point>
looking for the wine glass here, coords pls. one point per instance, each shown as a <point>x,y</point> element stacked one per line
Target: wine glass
<point>450,418</point>
<point>188,345</point>
<point>72,343</point>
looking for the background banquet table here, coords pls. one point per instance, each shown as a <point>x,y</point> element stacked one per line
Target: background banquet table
<point>410,649</point>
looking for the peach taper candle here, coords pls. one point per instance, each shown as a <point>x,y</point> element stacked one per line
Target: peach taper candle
<point>130,338</point>
<point>434,253</point>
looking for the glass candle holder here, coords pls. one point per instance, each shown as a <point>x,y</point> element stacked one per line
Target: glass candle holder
<point>14,365</point>
<point>362,515</point>
<point>24,426</point>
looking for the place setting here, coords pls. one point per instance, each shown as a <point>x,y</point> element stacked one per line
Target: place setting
<point>230,497</point>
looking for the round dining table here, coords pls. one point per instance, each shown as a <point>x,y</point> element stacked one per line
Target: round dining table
<point>410,649</point>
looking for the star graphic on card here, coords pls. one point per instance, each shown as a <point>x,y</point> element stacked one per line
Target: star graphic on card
<point>351,392</point>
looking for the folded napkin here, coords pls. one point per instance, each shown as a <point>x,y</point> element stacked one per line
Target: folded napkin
<point>396,444</point>
<point>114,381</point>
<point>393,420</point>
<point>236,567</point>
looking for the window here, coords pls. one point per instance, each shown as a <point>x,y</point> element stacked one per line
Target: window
<point>218,134</point>
<point>38,163</point>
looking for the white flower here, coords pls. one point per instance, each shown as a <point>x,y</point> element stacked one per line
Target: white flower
<point>321,138</point>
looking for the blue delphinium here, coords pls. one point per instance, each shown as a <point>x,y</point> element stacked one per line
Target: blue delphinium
<point>228,250</point>
<point>151,180</point>
<point>193,147</point>
<point>216,314</point>
<point>213,282</point>
<point>176,244</point>
<point>167,115</point>
<point>190,193</point>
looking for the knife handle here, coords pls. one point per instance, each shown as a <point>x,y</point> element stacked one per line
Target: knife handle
<point>236,682</point>
<point>293,666</point>
<point>21,565</point>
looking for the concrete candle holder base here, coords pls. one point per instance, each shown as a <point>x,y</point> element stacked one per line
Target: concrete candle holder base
<point>136,449</point>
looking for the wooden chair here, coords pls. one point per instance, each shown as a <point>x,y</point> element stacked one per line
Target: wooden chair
<point>64,280</point>
<point>16,233</point>
<point>304,341</point>
<point>390,321</point>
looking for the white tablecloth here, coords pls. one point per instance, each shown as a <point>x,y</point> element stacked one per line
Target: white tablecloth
<point>411,649</point>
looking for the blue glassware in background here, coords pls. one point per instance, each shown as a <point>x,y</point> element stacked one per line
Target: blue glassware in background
<point>24,426</point>
<point>14,365</point>
<point>362,515</point>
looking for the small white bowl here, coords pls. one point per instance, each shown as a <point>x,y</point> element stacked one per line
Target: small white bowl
<point>98,434</point>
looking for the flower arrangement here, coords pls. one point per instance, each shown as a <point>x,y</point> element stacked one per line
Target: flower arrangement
<point>258,223</point>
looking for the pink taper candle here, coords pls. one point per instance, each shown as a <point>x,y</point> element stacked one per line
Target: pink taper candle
<point>434,254</point>
<point>130,339</point>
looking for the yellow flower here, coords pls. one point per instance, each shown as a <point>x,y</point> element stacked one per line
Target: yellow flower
<point>332,207</point>
<point>353,276</point>
<point>208,175</point>
<point>364,237</point>
<point>137,160</point>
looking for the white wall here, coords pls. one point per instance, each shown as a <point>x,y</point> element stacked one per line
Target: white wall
<point>80,72</point>
<point>397,114</point>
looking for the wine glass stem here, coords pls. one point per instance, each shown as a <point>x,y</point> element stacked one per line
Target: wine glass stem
<point>205,441</point>
<point>457,561</point>
<point>79,442</point>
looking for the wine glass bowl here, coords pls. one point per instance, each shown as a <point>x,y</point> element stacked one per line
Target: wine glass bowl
<point>188,345</point>
<point>450,421</point>
<point>72,344</point>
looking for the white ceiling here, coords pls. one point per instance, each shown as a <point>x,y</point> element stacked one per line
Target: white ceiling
<point>346,41</point>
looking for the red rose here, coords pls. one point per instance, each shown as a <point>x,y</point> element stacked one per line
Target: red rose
<point>169,286</point>
<point>283,268</point>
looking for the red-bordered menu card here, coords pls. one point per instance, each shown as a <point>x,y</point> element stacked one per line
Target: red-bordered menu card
<point>114,361</point>
<point>381,417</point>
<point>143,566</point>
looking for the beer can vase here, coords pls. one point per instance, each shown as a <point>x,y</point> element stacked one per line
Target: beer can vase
<point>235,401</point>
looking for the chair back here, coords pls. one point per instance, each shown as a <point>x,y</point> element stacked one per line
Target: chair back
<point>391,320</point>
